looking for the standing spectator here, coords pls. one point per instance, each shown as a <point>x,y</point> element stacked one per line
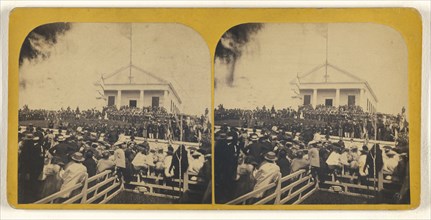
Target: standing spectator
<point>105,163</point>
<point>74,173</point>
<point>267,173</point>
<point>313,156</point>
<point>90,164</point>
<point>53,180</point>
<point>299,162</point>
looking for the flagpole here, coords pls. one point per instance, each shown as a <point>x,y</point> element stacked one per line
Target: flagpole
<point>375,153</point>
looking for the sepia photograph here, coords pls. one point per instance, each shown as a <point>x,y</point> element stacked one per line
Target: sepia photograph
<point>311,113</point>
<point>114,113</point>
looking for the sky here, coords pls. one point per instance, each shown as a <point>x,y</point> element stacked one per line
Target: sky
<point>278,52</point>
<point>173,52</point>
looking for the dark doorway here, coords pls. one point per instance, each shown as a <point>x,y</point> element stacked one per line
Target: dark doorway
<point>155,102</point>
<point>111,100</point>
<point>351,100</point>
<point>133,103</point>
<point>328,102</point>
<point>307,99</point>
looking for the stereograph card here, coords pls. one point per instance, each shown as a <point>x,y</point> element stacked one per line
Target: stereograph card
<point>214,108</point>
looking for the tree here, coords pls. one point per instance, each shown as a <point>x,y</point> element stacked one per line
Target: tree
<point>231,44</point>
<point>33,45</point>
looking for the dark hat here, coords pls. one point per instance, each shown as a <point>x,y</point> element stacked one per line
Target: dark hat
<point>106,154</point>
<point>270,156</point>
<point>78,157</point>
<point>364,149</point>
<point>57,160</point>
<point>221,136</point>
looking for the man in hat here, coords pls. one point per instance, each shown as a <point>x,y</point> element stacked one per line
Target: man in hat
<point>31,161</point>
<point>196,161</point>
<point>267,173</point>
<point>255,149</point>
<point>74,173</point>
<point>120,159</point>
<point>62,149</point>
<point>225,168</point>
<point>205,174</point>
<point>299,162</point>
<point>363,168</point>
<point>105,163</point>
<point>313,156</point>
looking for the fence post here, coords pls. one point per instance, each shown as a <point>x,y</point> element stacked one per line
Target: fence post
<point>84,190</point>
<point>186,181</point>
<point>380,181</point>
<point>278,190</point>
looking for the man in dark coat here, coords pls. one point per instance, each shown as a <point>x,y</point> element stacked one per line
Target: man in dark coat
<point>255,149</point>
<point>374,156</point>
<point>31,161</point>
<point>62,150</point>
<point>224,168</point>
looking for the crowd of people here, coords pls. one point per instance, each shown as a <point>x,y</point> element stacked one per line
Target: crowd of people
<point>153,123</point>
<point>54,159</point>
<point>248,160</point>
<point>343,121</point>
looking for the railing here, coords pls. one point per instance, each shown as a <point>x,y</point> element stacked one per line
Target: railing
<point>172,188</point>
<point>371,186</point>
<point>96,189</point>
<point>293,189</point>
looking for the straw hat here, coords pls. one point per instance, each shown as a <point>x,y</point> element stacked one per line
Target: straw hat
<point>270,156</point>
<point>78,157</point>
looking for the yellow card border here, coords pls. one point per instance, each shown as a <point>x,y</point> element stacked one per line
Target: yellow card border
<point>211,23</point>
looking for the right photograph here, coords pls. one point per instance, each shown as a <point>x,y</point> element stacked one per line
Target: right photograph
<point>311,113</point>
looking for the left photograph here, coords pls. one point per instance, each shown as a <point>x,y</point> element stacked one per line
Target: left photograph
<point>114,113</point>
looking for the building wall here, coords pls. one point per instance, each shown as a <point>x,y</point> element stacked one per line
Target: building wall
<point>110,93</point>
<point>152,93</point>
<point>129,95</point>
<point>344,93</point>
<point>325,94</point>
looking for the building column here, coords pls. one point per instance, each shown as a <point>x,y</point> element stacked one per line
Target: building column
<point>362,99</point>
<point>165,100</point>
<point>337,97</point>
<point>118,99</point>
<point>141,99</point>
<point>314,98</point>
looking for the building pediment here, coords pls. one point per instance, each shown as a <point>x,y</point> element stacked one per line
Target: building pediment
<point>328,73</point>
<point>132,75</point>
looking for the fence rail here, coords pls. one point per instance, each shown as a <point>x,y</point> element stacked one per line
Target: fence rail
<point>295,187</point>
<point>173,189</point>
<point>105,181</point>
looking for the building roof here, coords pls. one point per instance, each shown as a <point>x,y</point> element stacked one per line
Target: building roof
<point>134,75</point>
<point>328,73</point>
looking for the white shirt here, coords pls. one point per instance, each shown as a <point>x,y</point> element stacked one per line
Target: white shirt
<point>333,159</point>
<point>73,174</point>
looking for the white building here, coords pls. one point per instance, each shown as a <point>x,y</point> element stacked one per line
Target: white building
<point>331,86</point>
<point>135,87</point>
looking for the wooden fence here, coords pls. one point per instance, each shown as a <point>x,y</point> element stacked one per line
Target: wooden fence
<point>97,189</point>
<point>172,188</point>
<point>292,189</point>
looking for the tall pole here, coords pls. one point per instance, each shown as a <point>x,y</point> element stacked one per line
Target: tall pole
<point>130,58</point>
<point>375,152</point>
<point>326,63</point>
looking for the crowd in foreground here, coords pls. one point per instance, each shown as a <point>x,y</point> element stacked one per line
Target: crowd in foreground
<point>147,122</point>
<point>246,161</point>
<point>50,161</point>
<point>343,121</point>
